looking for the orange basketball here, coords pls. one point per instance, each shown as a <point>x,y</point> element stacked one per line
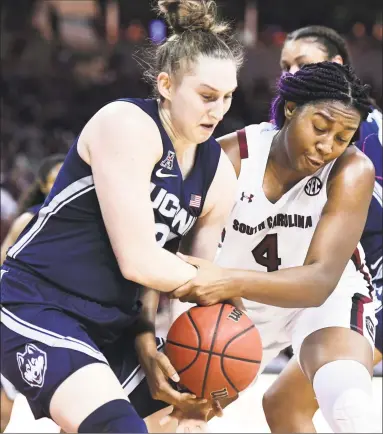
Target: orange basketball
<point>216,350</point>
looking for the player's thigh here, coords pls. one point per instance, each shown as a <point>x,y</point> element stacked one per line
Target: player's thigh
<point>6,406</point>
<point>342,328</point>
<point>291,394</point>
<point>41,348</point>
<point>82,393</point>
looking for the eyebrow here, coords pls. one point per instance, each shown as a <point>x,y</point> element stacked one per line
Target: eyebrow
<point>214,89</point>
<point>296,59</point>
<point>332,120</point>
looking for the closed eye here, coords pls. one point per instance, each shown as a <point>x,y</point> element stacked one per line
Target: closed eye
<point>342,140</point>
<point>208,98</point>
<point>319,130</point>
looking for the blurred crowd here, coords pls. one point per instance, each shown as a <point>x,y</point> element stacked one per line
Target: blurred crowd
<point>50,88</point>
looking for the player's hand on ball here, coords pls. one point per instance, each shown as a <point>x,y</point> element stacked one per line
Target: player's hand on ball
<point>210,285</point>
<point>159,370</point>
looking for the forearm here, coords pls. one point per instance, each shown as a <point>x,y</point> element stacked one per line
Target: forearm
<point>160,269</point>
<point>297,287</point>
<point>146,323</point>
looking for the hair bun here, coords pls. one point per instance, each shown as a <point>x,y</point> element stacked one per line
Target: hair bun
<point>184,15</point>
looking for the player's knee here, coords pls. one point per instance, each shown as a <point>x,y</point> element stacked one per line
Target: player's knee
<point>117,416</point>
<point>278,409</point>
<point>271,407</point>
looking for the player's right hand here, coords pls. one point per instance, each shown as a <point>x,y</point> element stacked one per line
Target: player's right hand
<point>159,371</point>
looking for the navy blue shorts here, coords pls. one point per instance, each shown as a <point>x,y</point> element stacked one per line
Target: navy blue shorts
<point>379,334</point>
<point>43,344</point>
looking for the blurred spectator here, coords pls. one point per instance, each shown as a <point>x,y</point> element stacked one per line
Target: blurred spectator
<point>52,82</point>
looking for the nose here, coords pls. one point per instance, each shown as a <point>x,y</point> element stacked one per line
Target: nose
<point>217,111</point>
<point>294,69</point>
<point>324,147</point>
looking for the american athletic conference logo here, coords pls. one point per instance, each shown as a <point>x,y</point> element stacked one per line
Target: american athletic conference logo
<point>314,186</point>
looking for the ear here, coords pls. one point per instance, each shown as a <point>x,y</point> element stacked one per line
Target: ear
<point>337,59</point>
<point>164,84</point>
<point>20,359</point>
<point>30,349</point>
<point>290,107</point>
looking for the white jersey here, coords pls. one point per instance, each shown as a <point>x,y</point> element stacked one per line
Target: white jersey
<point>265,236</point>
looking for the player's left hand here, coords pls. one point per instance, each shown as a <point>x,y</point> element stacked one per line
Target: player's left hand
<point>193,421</point>
<point>211,285</point>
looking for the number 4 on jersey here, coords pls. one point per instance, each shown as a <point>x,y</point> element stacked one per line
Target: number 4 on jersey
<point>266,253</point>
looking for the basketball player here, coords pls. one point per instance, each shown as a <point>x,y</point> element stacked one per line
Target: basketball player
<point>30,203</point>
<point>303,198</point>
<point>290,408</point>
<point>141,173</point>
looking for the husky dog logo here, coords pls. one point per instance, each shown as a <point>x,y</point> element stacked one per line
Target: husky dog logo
<point>32,365</point>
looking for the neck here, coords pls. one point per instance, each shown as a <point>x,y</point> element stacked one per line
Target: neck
<point>279,163</point>
<point>180,143</point>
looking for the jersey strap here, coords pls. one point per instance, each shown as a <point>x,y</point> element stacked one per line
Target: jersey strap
<point>242,140</point>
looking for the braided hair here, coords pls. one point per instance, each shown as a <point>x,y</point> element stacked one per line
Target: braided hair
<point>34,195</point>
<point>331,40</point>
<point>320,82</point>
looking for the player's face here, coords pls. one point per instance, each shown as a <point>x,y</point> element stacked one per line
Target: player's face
<point>51,178</point>
<point>201,98</point>
<point>303,51</point>
<point>318,133</point>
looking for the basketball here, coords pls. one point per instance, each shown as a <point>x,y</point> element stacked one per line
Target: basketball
<point>216,350</point>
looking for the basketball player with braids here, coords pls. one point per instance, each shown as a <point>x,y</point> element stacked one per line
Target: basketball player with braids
<point>141,173</point>
<point>290,402</point>
<point>291,246</point>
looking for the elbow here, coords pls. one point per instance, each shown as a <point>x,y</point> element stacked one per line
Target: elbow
<point>136,272</point>
<point>321,294</point>
<point>130,273</point>
<point>138,266</point>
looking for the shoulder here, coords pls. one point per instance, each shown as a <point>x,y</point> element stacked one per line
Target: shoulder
<point>237,145</point>
<point>223,187</point>
<point>352,167</point>
<point>120,122</point>
<point>125,113</point>
<point>21,221</point>
<point>253,135</point>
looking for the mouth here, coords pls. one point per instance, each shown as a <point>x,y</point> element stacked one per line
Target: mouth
<point>314,162</point>
<point>208,127</point>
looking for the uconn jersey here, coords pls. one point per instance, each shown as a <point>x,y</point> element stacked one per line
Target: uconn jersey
<point>67,245</point>
<point>266,236</point>
<point>372,239</point>
<point>371,144</point>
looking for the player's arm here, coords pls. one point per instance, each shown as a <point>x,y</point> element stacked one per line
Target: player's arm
<point>14,231</point>
<point>122,145</point>
<point>230,144</point>
<point>202,240</point>
<point>334,241</point>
